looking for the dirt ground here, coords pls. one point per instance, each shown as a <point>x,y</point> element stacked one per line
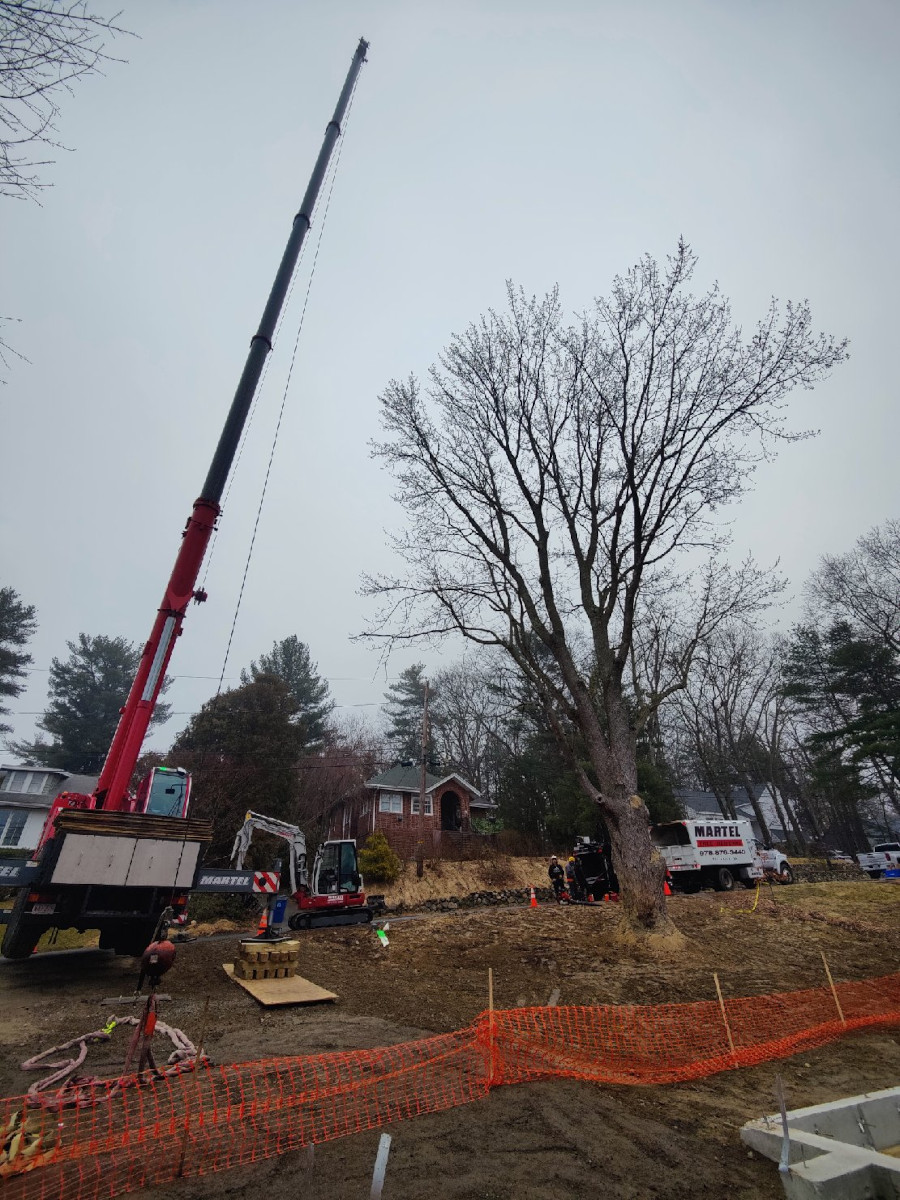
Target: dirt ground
<point>539,1140</point>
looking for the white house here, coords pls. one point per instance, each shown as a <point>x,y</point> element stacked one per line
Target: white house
<point>26,794</point>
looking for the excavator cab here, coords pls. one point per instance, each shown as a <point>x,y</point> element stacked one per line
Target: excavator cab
<point>336,870</point>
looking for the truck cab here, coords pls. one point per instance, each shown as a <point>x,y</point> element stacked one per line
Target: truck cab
<point>884,857</point>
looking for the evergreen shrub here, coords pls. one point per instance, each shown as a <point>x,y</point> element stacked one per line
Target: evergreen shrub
<point>377,861</point>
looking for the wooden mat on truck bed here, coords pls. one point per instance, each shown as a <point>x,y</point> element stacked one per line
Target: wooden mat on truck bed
<point>119,824</point>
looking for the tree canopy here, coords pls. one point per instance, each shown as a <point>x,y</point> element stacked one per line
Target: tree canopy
<point>403,705</point>
<point>554,472</point>
<point>290,661</point>
<point>87,690</point>
<point>17,627</point>
<point>243,749</point>
<point>45,45</point>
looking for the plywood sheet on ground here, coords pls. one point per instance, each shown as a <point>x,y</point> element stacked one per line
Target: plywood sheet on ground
<point>295,990</point>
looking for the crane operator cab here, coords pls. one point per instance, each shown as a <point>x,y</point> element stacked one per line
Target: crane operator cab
<point>164,792</point>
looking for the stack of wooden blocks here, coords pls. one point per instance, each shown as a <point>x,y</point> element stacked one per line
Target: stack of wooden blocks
<point>261,960</point>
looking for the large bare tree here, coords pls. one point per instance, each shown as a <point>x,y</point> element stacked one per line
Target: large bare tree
<point>45,45</point>
<point>553,471</point>
<point>862,586</point>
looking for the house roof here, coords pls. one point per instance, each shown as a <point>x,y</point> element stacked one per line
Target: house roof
<point>64,783</point>
<point>400,778</point>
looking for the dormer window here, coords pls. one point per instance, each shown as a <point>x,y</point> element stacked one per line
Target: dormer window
<point>30,783</point>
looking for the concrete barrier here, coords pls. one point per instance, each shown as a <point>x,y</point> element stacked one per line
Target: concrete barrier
<point>846,1150</point>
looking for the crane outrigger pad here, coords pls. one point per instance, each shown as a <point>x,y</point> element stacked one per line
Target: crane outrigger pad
<point>269,992</point>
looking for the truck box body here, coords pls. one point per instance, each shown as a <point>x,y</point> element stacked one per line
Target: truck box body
<point>708,853</point>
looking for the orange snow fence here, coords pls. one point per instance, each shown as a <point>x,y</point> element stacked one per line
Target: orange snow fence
<point>127,1134</point>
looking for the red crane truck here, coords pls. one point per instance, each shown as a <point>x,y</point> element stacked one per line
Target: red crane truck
<point>117,859</point>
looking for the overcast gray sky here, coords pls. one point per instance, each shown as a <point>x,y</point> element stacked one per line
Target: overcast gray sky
<point>488,140</point>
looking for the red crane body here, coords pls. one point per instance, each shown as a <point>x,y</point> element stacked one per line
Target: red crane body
<point>115,779</point>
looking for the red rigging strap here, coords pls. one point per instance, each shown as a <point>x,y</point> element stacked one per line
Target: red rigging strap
<point>112,788</point>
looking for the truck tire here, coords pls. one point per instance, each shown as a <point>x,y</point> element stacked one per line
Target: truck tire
<point>787,875</point>
<point>724,880</point>
<point>874,874</point>
<point>22,932</point>
<point>688,882</point>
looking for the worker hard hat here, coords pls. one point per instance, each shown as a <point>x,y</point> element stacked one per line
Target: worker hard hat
<point>553,858</point>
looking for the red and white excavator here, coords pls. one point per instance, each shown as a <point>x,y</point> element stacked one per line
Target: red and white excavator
<point>117,859</point>
<point>330,894</point>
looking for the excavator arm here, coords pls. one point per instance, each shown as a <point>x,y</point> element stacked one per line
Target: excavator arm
<point>291,834</point>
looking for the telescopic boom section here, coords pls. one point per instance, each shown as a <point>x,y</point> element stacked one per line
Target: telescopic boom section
<point>113,786</point>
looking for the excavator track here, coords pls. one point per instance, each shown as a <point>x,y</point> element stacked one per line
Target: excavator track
<point>307,919</point>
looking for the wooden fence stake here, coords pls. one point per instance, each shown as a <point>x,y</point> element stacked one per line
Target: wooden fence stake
<point>187,1107</point>
<point>384,1149</point>
<point>491,1024</point>
<point>833,990</point>
<point>724,1014</point>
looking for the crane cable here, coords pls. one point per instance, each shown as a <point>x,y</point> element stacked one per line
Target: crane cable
<point>312,274</point>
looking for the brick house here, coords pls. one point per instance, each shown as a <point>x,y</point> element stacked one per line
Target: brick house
<point>389,803</point>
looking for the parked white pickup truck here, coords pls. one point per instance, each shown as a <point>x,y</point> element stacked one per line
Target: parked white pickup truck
<point>884,857</point>
<point>703,853</point>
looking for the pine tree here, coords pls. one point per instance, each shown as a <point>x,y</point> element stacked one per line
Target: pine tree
<point>290,661</point>
<point>243,750</point>
<point>87,692</point>
<point>403,704</point>
<point>17,627</point>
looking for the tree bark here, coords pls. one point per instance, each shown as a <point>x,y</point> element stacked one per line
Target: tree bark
<point>638,864</point>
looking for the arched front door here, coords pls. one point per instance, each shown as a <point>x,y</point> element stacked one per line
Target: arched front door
<point>451,811</point>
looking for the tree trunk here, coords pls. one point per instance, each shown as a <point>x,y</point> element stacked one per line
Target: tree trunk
<point>640,867</point>
<point>638,864</point>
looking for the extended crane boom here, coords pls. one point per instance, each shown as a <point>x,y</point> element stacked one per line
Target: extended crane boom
<point>114,861</point>
<point>113,786</point>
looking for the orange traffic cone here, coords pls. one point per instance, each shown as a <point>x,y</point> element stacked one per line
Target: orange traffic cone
<point>534,902</point>
<point>263,928</point>
<point>666,889</point>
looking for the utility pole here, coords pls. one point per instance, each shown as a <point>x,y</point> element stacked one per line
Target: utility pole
<point>420,845</point>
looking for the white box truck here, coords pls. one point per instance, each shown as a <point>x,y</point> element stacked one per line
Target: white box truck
<point>705,853</point>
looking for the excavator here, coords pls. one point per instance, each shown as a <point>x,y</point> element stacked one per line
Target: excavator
<point>331,894</point>
<point>120,858</point>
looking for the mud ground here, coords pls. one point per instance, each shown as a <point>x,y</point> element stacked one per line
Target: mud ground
<point>539,1140</point>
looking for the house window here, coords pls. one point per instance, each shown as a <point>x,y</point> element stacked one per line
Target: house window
<point>12,822</point>
<point>30,783</point>
<point>390,802</point>
<point>429,806</point>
